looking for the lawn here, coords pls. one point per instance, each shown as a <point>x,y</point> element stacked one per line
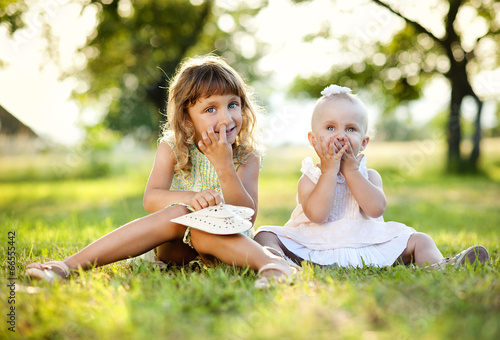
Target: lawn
<point>55,208</point>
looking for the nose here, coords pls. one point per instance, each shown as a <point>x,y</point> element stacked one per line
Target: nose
<point>339,134</point>
<point>225,117</point>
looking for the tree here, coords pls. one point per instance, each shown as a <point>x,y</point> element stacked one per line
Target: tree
<point>137,46</point>
<point>400,69</point>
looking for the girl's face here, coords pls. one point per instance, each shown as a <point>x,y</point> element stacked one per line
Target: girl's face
<point>339,119</point>
<point>213,112</point>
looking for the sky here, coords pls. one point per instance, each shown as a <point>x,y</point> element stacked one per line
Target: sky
<point>41,99</point>
<point>35,95</point>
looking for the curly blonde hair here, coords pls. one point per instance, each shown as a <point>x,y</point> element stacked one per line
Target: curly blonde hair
<point>198,78</point>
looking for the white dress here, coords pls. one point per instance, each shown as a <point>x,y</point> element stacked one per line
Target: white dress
<point>348,238</point>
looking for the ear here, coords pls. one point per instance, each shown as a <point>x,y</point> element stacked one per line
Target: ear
<point>188,121</point>
<point>311,138</point>
<point>364,143</point>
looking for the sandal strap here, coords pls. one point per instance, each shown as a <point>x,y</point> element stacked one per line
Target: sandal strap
<point>54,264</point>
<point>264,282</point>
<point>441,264</point>
<point>288,260</point>
<point>274,251</point>
<point>59,265</point>
<point>288,271</point>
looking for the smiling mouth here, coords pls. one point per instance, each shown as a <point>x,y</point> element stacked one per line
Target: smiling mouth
<point>228,132</point>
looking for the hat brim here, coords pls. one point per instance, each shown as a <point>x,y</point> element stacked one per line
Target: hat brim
<point>221,220</point>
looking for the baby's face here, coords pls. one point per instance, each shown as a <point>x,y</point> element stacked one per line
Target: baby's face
<point>340,119</point>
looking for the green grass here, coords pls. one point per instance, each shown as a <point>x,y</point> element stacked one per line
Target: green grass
<point>55,214</point>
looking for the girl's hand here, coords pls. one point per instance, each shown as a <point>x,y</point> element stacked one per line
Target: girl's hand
<point>350,161</point>
<point>205,198</point>
<point>217,149</point>
<point>330,154</point>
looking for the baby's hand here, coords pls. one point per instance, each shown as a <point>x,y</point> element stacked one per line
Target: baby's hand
<point>350,161</point>
<point>205,198</point>
<point>217,149</point>
<point>330,153</point>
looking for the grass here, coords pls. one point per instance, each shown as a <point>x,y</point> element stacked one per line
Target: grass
<point>55,214</point>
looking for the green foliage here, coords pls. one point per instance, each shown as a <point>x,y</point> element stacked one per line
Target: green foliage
<point>54,219</point>
<point>11,14</point>
<point>11,17</point>
<point>136,47</point>
<point>392,75</point>
<point>127,54</point>
<point>395,72</point>
<point>139,49</point>
<point>393,129</point>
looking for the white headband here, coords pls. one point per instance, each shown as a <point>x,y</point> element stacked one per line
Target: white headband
<point>335,89</point>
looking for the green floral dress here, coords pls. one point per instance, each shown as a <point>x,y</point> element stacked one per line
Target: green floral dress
<point>201,177</point>
<point>202,173</point>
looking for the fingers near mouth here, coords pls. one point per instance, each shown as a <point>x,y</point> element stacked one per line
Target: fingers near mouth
<point>228,131</point>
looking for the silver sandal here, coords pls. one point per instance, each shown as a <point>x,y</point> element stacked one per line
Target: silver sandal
<point>45,272</point>
<point>264,282</point>
<point>278,253</point>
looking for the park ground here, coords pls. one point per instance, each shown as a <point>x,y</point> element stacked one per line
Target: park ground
<point>53,204</point>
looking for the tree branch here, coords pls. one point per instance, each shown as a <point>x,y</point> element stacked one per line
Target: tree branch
<point>156,92</point>
<point>415,24</point>
<point>451,35</point>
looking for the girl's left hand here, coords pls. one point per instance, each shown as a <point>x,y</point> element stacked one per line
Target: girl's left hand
<point>350,161</point>
<point>217,149</point>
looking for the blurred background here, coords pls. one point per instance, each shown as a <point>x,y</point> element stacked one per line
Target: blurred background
<point>88,77</point>
<point>82,92</point>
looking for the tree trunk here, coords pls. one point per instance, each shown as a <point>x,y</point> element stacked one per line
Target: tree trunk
<point>454,161</point>
<point>460,87</point>
<point>474,156</point>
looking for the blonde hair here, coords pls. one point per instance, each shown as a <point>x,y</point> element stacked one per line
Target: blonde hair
<point>198,78</point>
<point>348,97</point>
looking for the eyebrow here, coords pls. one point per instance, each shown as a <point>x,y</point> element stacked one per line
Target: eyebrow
<point>331,122</point>
<point>214,102</point>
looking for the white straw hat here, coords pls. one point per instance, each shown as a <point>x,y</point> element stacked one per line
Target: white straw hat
<point>223,219</point>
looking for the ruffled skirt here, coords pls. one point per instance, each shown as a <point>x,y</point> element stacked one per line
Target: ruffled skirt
<point>346,243</point>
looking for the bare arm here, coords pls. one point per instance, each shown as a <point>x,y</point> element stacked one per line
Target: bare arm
<point>158,194</point>
<point>241,187</point>
<point>368,192</point>
<point>317,200</point>
<point>238,187</point>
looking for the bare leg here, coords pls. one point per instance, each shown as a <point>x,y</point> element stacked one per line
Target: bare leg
<point>421,249</point>
<point>130,240</point>
<point>176,252</point>
<point>235,249</point>
<point>268,239</point>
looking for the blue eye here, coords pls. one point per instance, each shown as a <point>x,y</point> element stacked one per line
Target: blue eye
<point>210,110</point>
<point>233,105</point>
<point>351,129</point>
<point>330,128</point>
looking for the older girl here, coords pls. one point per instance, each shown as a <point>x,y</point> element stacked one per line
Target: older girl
<point>206,156</point>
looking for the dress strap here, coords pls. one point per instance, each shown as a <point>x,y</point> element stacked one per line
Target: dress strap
<point>362,167</point>
<point>170,140</point>
<point>310,170</point>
